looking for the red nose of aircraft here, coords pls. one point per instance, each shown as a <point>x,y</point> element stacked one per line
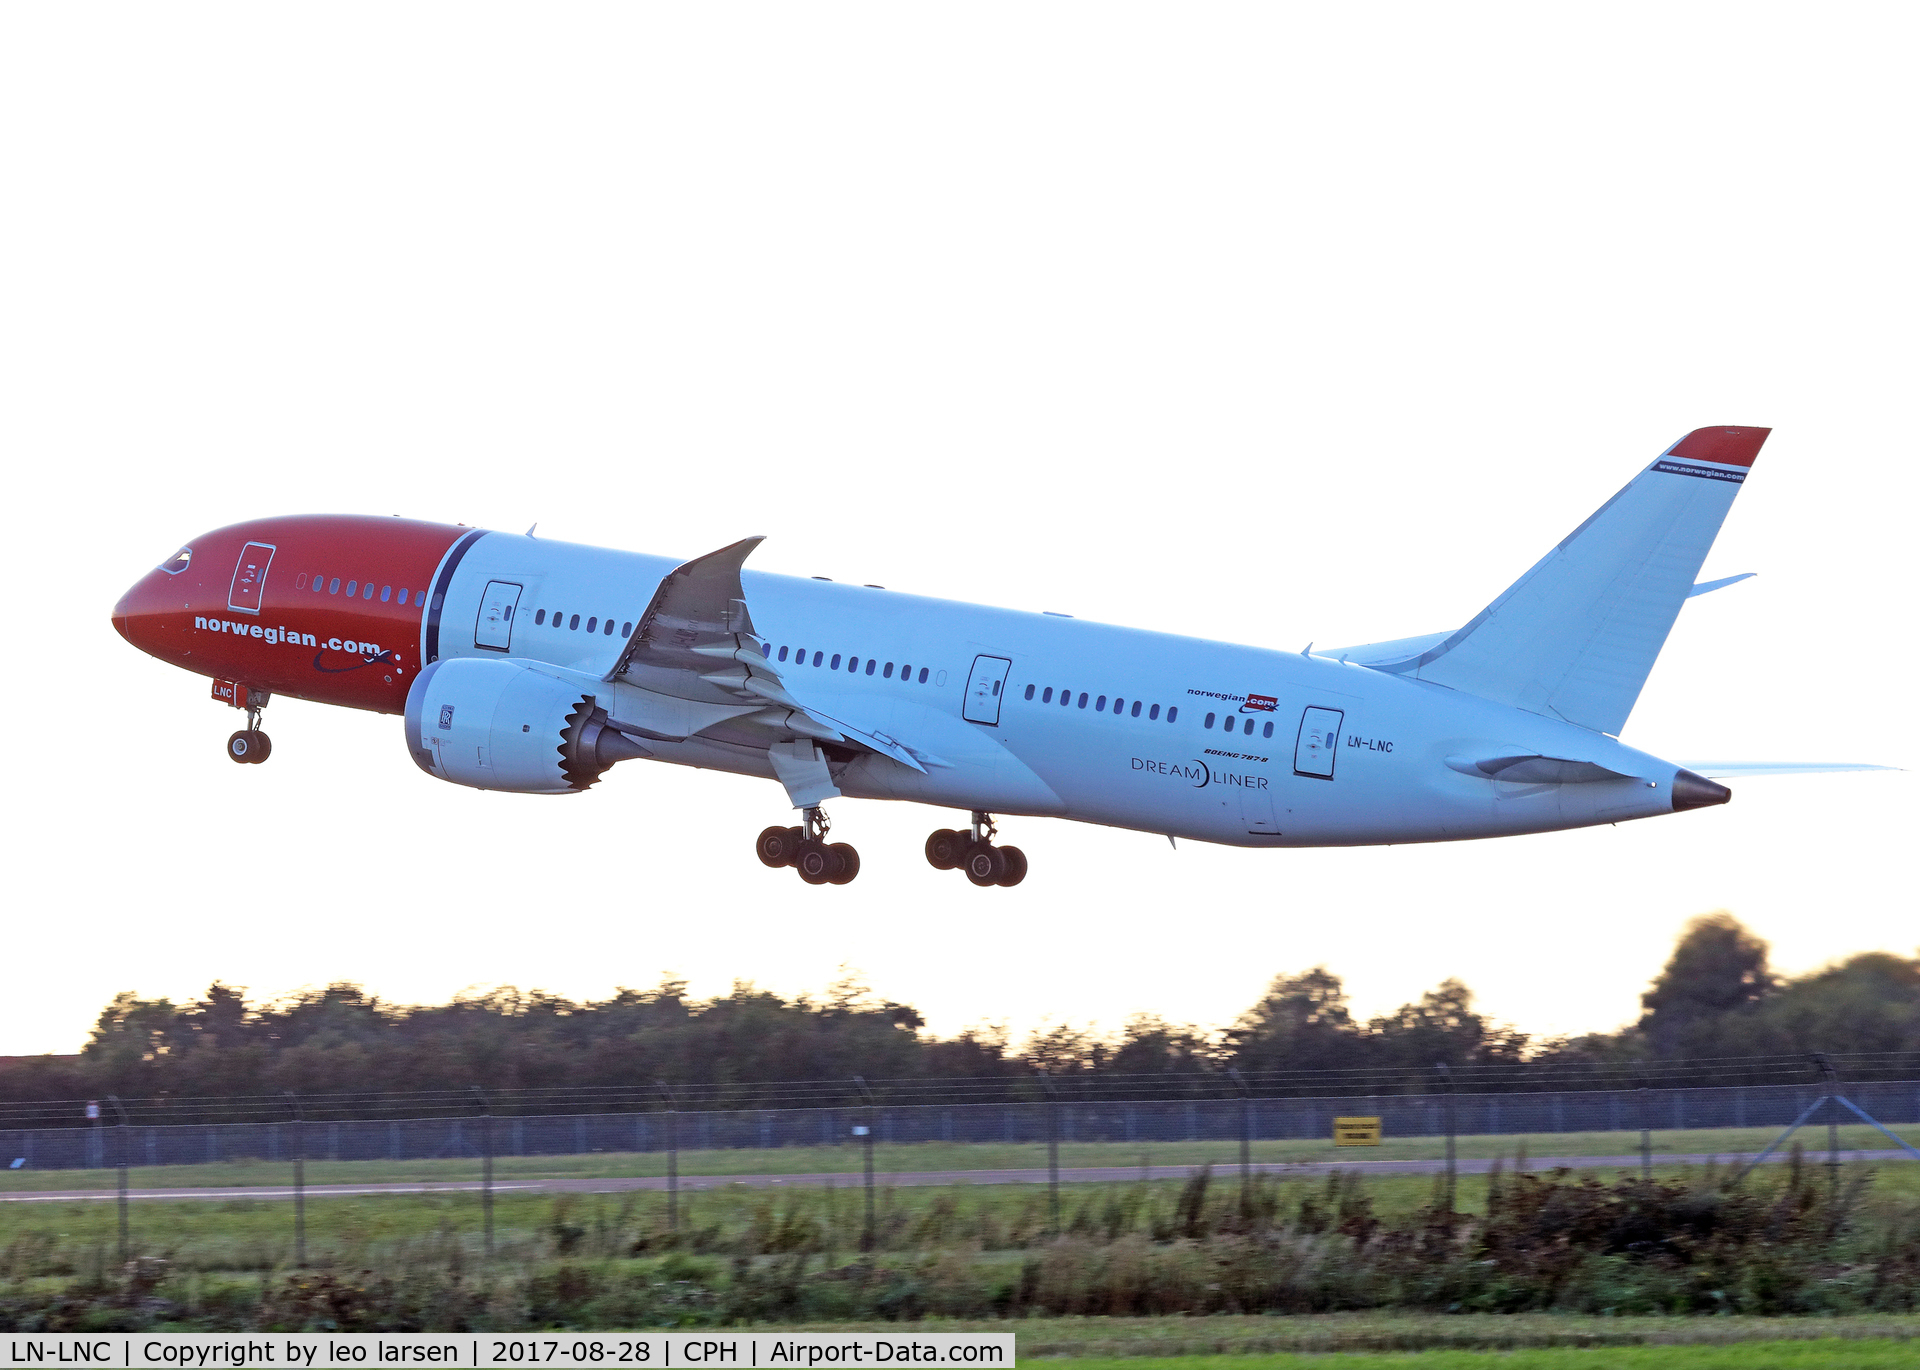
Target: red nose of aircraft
<point>162,593</point>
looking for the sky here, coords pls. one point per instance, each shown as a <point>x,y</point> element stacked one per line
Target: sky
<point>1268,323</point>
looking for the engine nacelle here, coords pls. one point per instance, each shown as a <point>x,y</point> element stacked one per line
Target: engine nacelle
<point>505,725</point>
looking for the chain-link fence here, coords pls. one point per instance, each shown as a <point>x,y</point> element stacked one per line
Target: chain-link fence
<point>1191,1120</point>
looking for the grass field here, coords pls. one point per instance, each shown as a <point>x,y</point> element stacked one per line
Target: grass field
<point>1768,1355</point>
<point>937,1156</point>
<point>1178,1248</point>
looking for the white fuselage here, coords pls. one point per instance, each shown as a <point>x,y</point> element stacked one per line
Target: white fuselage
<point>1257,776</point>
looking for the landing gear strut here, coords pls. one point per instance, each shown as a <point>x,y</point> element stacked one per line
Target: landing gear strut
<point>807,850</point>
<point>250,746</point>
<point>972,851</point>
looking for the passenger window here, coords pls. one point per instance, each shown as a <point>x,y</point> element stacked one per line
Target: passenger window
<point>888,673</point>
<point>539,616</point>
<point>1154,712</point>
<point>817,656</point>
<point>833,665</point>
<point>386,593</point>
<point>1117,702</point>
<point>853,665</point>
<point>1173,713</point>
<point>1100,704</point>
<point>1083,699</point>
<point>1248,730</point>
<point>367,593</point>
<point>871,663</point>
<point>1207,722</point>
<point>319,584</point>
<point>574,624</point>
<point>783,654</point>
<point>1267,731</point>
<point>906,674</point>
<point>1066,698</point>
<point>299,581</point>
<point>1047,696</point>
<point>334,588</point>
<point>352,587</point>
<point>608,630</point>
<point>1029,692</point>
<point>1136,708</point>
<point>592,623</point>
<point>626,630</point>
<point>923,675</point>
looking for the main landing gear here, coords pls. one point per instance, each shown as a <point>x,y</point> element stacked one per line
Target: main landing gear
<point>250,746</point>
<point>972,851</point>
<point>807,850</point>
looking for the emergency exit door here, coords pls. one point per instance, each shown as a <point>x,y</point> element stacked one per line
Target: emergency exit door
<point>1313,753</point>
<point>494,630</point>
<point>984,687</point>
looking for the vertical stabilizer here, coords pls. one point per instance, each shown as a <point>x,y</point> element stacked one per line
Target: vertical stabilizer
<point>1576,636</point>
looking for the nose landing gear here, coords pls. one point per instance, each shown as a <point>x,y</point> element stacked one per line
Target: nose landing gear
<point>249,746</point>
<point>807,850</point>
<point>972,850</point>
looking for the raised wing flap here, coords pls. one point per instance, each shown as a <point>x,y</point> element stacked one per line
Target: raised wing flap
<point>695,662</point>
<point>698,610</point>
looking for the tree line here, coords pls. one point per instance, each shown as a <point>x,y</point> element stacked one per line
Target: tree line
<point>1715,997</point>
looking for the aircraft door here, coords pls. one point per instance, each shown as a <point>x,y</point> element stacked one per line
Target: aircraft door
<point>1319,734</point>
<point>250,577</point>
<point>984,687</point>
<point>494,628</point>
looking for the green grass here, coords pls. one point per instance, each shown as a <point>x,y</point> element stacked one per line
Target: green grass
<point>1216,1343</point>
<point>1827,1354</point>
<point>846,1160</point>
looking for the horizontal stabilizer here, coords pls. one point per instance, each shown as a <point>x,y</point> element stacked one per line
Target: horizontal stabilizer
<point>1735,769</point>
<point>1709,586</point>
<point>1576,636</point>
<point>1535,770</point>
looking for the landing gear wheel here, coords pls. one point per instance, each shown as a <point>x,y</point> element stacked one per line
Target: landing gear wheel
<point>849,863</point>
<point>248,747</point>
<point>947,848</point>
<point>263,745</point>
<point>778,847</point>
<point>1016,866</point>
<point>986,865</point>
<point>816,863</point>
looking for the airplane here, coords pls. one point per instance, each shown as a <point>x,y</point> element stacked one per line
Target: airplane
<point>533,666</point>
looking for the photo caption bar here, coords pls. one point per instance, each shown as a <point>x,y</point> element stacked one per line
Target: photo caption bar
<point>655,1350</point>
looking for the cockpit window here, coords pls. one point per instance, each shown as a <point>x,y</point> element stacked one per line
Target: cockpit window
<point>178,562</point>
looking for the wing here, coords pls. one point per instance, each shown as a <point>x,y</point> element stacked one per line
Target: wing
<point>1717,770</point>
<point>694,664</point>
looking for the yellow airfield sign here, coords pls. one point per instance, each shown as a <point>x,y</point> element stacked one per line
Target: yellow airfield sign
<point>1356,1132</point>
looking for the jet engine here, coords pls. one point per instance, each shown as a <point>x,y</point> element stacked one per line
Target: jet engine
<point>506,725</point>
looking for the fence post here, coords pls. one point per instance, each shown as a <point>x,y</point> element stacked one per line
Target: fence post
<point>1831,1077</point>
<point>866,1160</point>
<point>673,1156</point>
<point>1246,1141</point>
<point>299,1181</point>
<point>120,1130</point>
<point>1446,1083</point>
<point>1646,1133</point>
<point>486,1163</point>
<point>1052,1106</point>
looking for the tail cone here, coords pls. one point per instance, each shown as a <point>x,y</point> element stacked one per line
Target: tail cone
<point>1692,791</point>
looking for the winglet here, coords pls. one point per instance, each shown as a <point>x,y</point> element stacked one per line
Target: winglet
<point>1721,445</point>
